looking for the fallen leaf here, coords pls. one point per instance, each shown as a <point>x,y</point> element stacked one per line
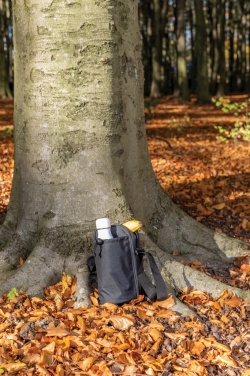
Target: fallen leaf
<point>219,206</point>
<point>56,332</point>
<point>121,322</point>
<point>13,366</point>
<point>86,364</point>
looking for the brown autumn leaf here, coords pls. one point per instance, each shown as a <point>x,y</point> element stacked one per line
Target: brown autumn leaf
<point>121,322</point>
<point>234,301</point>
<point>226,360</point>
<point>167,303</point>
<point>245,267</point>
<point>219,206</point>
<point>196,347</point>
<point>245,224</point>
<point>155,334</point>
<point>57,332</point>
<point>13,366</point>
<point>87,363</point>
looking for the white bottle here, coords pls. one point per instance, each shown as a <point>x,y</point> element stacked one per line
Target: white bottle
<point>103,228</point>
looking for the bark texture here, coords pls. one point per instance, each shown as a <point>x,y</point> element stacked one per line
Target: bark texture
<point>81,150</point>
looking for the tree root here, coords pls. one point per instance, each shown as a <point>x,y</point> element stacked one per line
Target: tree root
<point>184,276</point>
<point>77,265</point>
<point>42,268</point>
<point>176,232</point>
<point>67,249</point>
<point>7,230</point>
<point>57,250</point>
<point>11,253</point>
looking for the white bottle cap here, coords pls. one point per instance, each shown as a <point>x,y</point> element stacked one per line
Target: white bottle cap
<point>102,223</point>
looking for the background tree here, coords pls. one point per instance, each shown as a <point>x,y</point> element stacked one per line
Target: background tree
<point>159,14</point>
<point>202,84</point>
<point>81,152</point>
<point>181,50</point>
<point>227,25</point>
<point>146,32</point>
<point>6,48</point>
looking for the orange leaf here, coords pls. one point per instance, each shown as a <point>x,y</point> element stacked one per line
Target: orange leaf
<point>196,347</point>
<point>13,366</point>
<point>167,303</point>
<point>86,364</point>
<point>155,334</point>
<point>234,302</point>
<point>225,360</point>
<point>56,332</point>
<point>219,206</point>
<point>121,322</point>
<point>245,267</point>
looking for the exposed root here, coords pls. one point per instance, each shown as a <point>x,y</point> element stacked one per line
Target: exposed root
<point>180,276</point>
<point>46,262</point>
<point>67,249</point>
<point>41,269</point>
<point>77,265</point>
<point>7,230</point>
<point>11,253</point>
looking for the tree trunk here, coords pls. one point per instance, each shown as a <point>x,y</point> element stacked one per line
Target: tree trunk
<point>231,45</point>
<point>145,19</point>
<point>202,84</point>
<point>193,68</point>
<point>214,44</point>
<point>241,54</point>
<point>221,48</point>
<point>156,46</point>
<point>81,151</point>
<point>181,50</point>
<point>4,36</point>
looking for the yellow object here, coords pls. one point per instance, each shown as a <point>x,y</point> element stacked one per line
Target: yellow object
<point>133,225</point>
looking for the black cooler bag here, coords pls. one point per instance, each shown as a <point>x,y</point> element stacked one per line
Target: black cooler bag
<point>116,268</point>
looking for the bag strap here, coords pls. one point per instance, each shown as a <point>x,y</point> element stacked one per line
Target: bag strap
<point>158,291</point>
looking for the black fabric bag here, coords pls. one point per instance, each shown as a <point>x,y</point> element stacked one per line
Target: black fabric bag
<point>116,269</point>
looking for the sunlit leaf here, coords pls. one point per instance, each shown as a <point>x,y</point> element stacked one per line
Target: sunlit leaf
<point>13,366</point>
<point>12,294</point>
<point>87,363</point>
<point>121,322</point>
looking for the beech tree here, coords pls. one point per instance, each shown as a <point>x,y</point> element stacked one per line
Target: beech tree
<point>81,153</point>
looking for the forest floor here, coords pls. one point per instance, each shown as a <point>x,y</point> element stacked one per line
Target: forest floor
<point>207,178</point>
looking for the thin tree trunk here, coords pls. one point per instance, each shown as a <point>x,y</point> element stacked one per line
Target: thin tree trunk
<point>193,68</point>
<point>242,45</point>
<point>4,69</point>
<point>157,45</point>
<point>145,19</point>
<point>181,50</point>
<point>221,48</point>
<point>214,42</point>
<point>231,45</point>
<point>202,84</point>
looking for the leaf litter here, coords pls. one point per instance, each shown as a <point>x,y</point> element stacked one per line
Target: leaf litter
<point>210,181</point>
<point>38,337</point>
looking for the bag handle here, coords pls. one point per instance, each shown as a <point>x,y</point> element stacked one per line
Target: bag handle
<point>160,289</point>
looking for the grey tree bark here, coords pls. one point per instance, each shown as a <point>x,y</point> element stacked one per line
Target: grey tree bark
<point>81,151</point>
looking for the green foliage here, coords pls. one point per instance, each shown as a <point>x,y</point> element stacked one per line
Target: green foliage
<point>241,127</point>
<point>6,131</point>
<point>12,294</point>
<point>2,370</point>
